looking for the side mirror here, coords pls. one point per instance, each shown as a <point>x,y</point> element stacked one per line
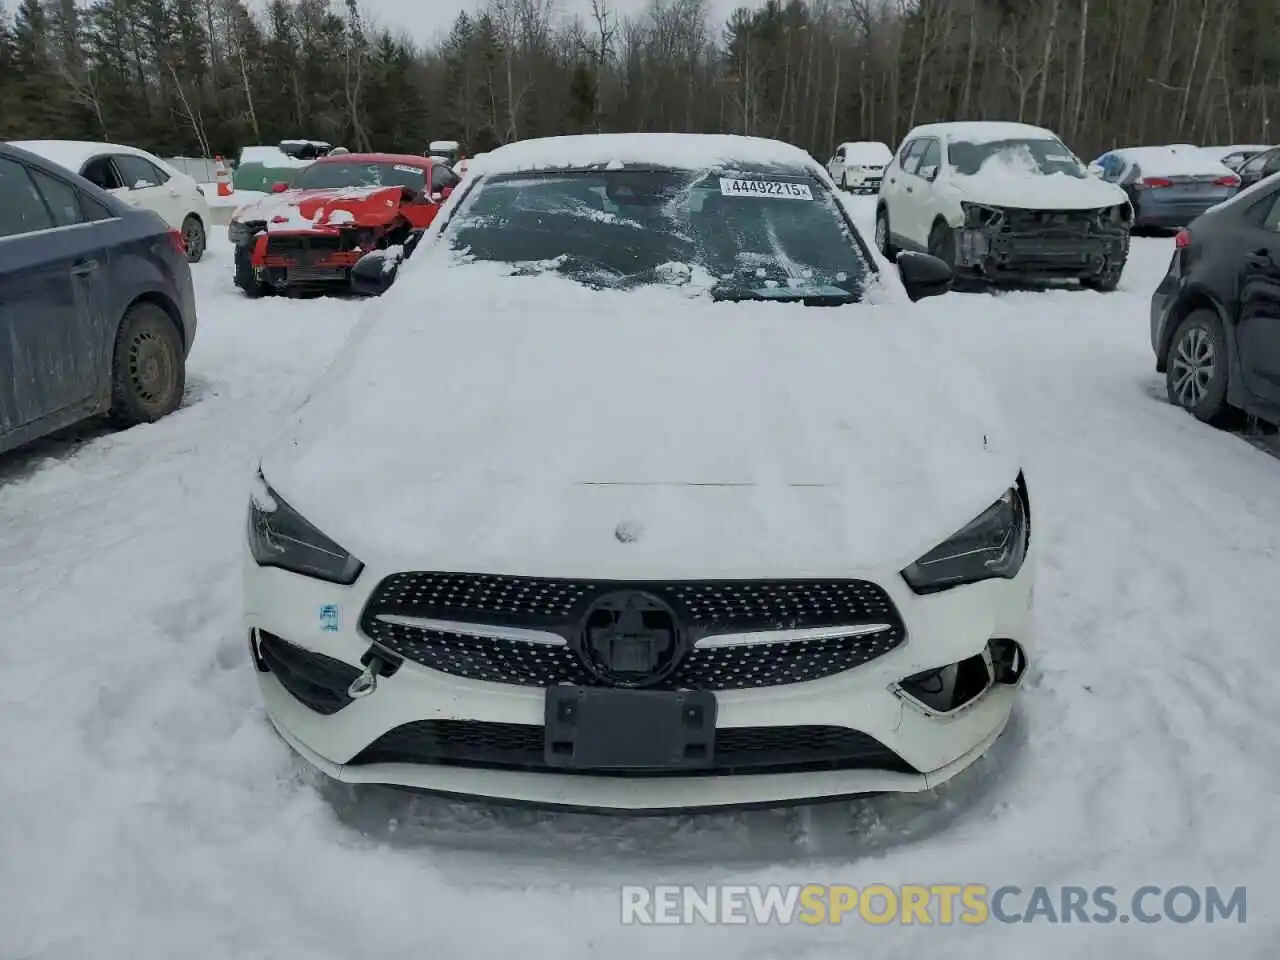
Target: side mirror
<point>446,192</point>
<point>279,187</point>
<point>923,275</point>
<point>929,173</point>
<point>437,197</point>
<point>1096,171</point>
<point>374,273</point>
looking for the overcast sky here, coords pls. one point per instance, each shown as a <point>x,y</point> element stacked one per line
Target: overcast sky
<point>427,19</point>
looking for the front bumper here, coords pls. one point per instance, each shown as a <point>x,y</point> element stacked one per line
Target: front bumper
<point>916,750</point>
<point>996,255</point>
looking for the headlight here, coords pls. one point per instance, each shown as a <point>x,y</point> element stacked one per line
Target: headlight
<point>992,546</point>
<point>980,215</point>
<point>280,537</point>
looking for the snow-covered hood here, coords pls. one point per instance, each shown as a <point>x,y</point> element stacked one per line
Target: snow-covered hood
<point>1029,191</point>
<point>301,209</point>
<point>511,425</point>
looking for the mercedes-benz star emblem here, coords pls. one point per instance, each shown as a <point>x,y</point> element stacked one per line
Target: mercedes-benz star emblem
<point>630,639</point>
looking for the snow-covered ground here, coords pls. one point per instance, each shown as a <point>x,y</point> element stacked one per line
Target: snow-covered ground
<point>148,811</point>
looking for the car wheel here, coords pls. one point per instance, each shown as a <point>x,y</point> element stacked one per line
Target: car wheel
<point>244,276</point>
<point>148,373</point>
<point>1107,279</point>
<point>883,243</point>
<point>193,239</point>
<point>1196,367</point>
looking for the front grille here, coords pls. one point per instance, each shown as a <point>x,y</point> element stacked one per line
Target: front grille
<point>317,681</point>
<point>705,608</point>
<point>303,244</point>
<point>1072,223</point>
<point>738,750</point>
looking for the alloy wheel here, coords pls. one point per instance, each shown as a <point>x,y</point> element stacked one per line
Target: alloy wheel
<point>1193,366</point>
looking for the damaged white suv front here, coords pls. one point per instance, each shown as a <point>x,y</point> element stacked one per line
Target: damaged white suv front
<point>1003,201</point>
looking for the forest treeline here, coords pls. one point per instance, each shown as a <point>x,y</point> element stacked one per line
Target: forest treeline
<point>204,77</point>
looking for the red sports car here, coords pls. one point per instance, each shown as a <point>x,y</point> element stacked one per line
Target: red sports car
<point>339,208</point>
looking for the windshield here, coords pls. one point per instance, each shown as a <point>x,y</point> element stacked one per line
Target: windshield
<point>1034,156</point>
<point>320,176</point>
<point>764,236</point>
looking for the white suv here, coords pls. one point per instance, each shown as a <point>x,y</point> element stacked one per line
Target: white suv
<point>1002,201</point>
<point>859,166</point>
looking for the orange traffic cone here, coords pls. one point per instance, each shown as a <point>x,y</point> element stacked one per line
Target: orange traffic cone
<point>223,177</point>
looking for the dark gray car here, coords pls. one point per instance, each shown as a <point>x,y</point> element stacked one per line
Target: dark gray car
<point>97,307</point>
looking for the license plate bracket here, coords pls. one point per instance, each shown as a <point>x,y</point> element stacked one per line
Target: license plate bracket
<point>588,728</point>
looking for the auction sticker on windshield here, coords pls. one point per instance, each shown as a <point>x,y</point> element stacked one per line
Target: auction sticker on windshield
<point>732,187</point>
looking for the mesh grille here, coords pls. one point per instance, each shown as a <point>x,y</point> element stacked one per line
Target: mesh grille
<point>705,608</point>
<point>738,750</point>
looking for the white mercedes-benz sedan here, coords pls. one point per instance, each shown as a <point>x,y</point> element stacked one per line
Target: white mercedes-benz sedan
<point>643,490</point>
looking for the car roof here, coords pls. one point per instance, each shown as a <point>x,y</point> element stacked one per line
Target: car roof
<point>982,131</point>
<point>677,151</point>
<point>15,149</point>
<point>408,159</point>
<point>74,154</point>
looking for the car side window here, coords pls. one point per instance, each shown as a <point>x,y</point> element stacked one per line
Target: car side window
<point>930,160</point>
<point>102,173</point>
<point>22,209</point>
<point>93,210</point>
<point>905,152</point>
<point>840,153</point>
<point>139,173</point>
<point>61,199</point>
<point>1265,212</point>
<point>912,163</point>
<point>1256,164</point>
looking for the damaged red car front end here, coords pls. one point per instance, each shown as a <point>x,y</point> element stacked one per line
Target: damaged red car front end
<point>311,237</point>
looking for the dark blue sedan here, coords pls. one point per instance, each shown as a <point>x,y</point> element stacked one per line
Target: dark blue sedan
<point>97,308</point>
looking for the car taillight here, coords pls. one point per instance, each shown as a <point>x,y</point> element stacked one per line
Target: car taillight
<point>179,244</point>
<point>1157,182</point>
<point>1182,240</point>
<point>1228,181</point>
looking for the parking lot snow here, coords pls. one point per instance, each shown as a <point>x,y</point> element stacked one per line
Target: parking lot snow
<point>148,811</point>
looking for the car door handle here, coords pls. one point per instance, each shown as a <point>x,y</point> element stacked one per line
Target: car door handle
<point>911,189</point>
<point>82,268</point>
<point>893,179</point>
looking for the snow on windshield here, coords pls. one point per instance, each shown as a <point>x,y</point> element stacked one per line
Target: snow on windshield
<point>328,175</point>
<point>762,235</point>
<point>1016,157</point>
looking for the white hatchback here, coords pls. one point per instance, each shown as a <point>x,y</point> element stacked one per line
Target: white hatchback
<point>140,179</point>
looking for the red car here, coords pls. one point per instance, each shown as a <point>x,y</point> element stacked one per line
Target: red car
<point>311,234</point>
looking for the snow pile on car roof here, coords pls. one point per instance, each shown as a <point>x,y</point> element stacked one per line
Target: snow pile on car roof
<point>272,157</point>
<point>984,131</point>
<point>682,151</point>
<point>1174,161</point>
<point>867,151</point>
<point>72,154</point>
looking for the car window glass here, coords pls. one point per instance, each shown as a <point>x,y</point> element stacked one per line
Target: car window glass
<point>840,154</point>
<point>101,172</point>
<point>1256,164</point>
<point>912,163</point>
<point>1265,213</point>
<point>930,159</point>
<point>138,173</point>
<point>93,210</point>
<point>60,198</point>
<point>905,152</point>
<point>21,208</point>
